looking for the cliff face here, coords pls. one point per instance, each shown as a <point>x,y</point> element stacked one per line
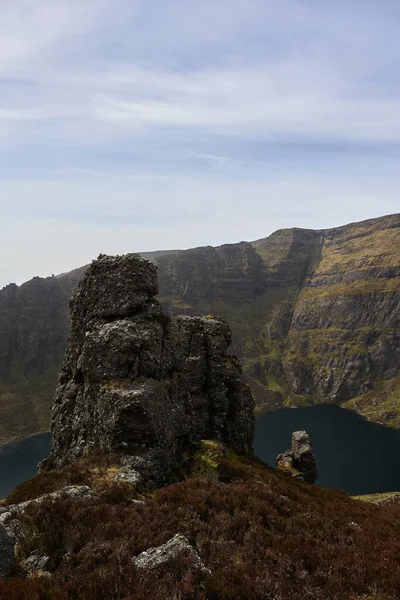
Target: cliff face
<point>314,316</point>
<point>344,337</point>
<point>135,382</point>
<point>232,273</point>
<point>34,324</point>
<point>324,323</point>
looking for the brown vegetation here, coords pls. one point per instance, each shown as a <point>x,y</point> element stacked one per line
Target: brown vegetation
<point>262,535</point>
<point>94,471</point>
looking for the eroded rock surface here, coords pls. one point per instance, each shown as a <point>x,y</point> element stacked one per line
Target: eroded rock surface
<point>177,552</point>
<point>13,515</point>
<point>37,561</point>
<point>299,461</point>
<point>8,564</point>
<point>137,383</point>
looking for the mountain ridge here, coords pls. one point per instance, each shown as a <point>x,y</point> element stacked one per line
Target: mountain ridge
<point>314,313</point>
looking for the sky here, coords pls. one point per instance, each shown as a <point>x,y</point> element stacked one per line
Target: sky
<point>138,125</point>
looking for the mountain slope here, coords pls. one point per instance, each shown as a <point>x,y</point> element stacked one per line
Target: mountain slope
<point>315,317</point>
<point>260,533</point>
<point>320,319</point>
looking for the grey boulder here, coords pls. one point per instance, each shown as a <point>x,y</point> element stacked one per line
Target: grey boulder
<point>37,561</point>
<point>299,461</point>
<point>177,551</point>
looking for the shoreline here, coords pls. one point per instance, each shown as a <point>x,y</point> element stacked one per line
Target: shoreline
<point>258,412</point>
<point>19,439</point>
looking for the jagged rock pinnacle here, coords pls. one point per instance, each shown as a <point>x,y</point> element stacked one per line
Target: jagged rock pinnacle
<point>300,460</point>
<point>135,382</point>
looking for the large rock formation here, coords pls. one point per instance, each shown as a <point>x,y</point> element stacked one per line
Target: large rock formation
<point>135,382</point>
<point>300,460</point>
<point>315,317</point>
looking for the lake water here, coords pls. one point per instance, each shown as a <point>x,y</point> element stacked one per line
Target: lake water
<point>19,460</point>
<point>352,454</point>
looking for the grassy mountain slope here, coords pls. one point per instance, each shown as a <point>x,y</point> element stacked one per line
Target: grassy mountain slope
<point>344,338</point>
<point>315,317</point>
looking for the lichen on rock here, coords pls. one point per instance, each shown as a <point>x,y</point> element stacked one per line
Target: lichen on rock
<point>135,382</point>
<point>177,552</point>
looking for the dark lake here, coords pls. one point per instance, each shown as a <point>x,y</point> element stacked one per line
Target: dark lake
<point>352,454</point>
<point>18,461</point>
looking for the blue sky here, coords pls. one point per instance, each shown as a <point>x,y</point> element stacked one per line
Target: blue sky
<point>130,125</point>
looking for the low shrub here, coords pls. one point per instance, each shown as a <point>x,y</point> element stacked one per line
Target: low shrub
<point>84,472</point>
<point>263,535</point>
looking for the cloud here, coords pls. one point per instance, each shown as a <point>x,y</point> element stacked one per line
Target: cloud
<point>291,99</point>
<point>315,92</point>
<point>219,162</point>
<point>27,27</point>
<point>143,125</point>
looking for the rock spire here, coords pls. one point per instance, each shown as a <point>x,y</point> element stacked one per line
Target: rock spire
<point>300,460</point>
<point>135,382</point>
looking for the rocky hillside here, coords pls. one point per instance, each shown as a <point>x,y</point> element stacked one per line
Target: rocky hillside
<point>314,314</point>
<point>34,324</point>
<point>235,529</point>
<point>133,502</point>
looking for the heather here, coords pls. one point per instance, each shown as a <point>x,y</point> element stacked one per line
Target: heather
<point>261,533</point>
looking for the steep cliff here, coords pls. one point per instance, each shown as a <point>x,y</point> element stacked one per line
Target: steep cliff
<point>137,383</point>
<point>314,315</point>
<point>321,322</point>
<point>344,338</point>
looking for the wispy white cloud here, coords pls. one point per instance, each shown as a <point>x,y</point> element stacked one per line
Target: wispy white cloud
<point>292,98</point>
<point>297,97</point>
<point>136,125</point>
<point>28,27</point>
<point>315,94</point>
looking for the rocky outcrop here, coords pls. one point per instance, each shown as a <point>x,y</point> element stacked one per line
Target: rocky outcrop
<point>137,383</point>
<point>10,517</point>
<point>299,461</point>
<point>11,522</point>
<point>175,554</point>
<point>74,492</point>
